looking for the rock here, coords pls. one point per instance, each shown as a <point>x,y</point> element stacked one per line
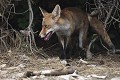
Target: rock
<point>116,78</point>
<point>2,66</point>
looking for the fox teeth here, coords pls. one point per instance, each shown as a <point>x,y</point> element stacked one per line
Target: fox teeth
<point>47,37</point>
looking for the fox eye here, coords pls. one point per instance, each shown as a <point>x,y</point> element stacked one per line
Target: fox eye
<point>46,26</point>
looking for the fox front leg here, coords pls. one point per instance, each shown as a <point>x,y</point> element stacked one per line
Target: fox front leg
<point>62,41</point>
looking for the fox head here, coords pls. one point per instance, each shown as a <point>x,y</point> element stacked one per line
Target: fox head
<point>49,23</point>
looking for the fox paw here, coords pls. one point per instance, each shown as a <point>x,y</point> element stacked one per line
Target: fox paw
<point>64,62</point>
<point>89,55</point>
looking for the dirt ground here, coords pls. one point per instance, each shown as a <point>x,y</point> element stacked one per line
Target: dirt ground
<point>14,65</point>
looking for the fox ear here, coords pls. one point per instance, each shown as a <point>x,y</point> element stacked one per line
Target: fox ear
<point>42,11</point>
<point>56,11</point>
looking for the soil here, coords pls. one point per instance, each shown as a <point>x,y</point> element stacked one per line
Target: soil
<point>14,65</point>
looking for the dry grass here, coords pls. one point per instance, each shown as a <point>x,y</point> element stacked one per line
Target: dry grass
<point>14,64</point>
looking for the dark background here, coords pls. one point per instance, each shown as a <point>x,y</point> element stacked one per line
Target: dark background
<point>20,22</point>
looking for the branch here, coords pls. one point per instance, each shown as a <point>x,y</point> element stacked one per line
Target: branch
<point>30,14</point>
<point>14,10</point>
<point>31,35</point>
<point>109,13</point>
<point>52,72</point>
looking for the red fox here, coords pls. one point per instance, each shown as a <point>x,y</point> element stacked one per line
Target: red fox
<point>65,22</point>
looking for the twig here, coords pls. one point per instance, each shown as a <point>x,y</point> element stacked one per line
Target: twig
<point>92,41</point>
<point>109,12</point>
<point>51,46</point>
<point>31,35</point>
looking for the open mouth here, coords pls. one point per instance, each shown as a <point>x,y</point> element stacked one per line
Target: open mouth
<point>48,35</point>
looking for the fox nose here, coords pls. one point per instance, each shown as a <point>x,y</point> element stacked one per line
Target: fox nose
<point>42,35</point>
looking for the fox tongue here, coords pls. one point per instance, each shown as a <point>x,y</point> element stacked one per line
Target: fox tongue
<point>48,35</point>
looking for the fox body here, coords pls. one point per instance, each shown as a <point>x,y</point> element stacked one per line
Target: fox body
<point>65,22</point>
